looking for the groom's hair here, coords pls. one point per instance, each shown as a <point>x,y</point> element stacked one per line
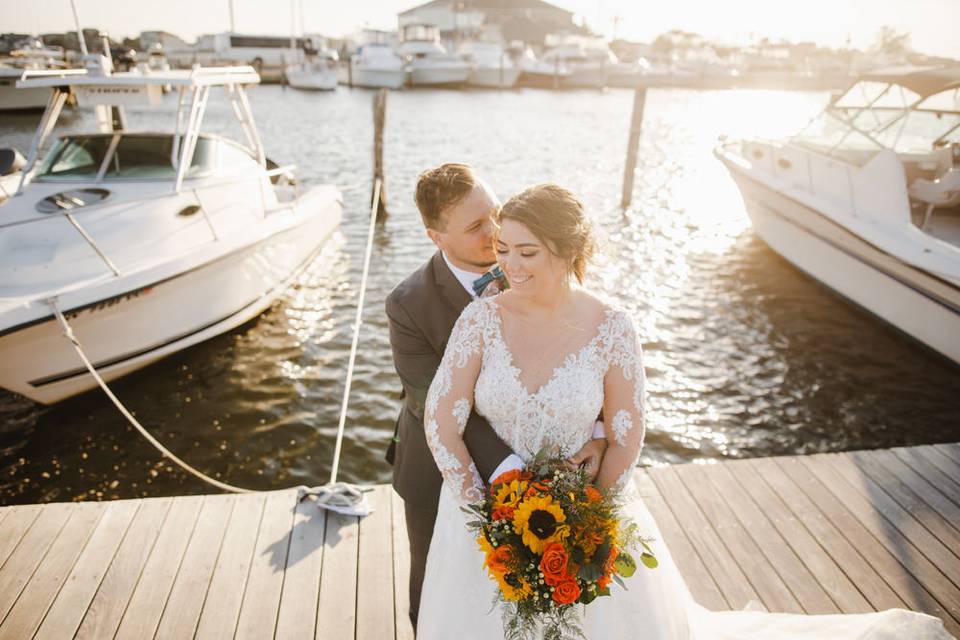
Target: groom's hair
<point>441,188</point>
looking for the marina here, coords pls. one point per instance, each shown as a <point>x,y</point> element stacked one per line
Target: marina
<point>196,250</point>
<point>746,356</point>
<point>830,533</point>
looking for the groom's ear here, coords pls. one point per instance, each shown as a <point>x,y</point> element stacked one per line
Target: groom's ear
<point>436,237</point>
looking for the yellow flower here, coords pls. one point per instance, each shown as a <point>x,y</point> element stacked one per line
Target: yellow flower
<point>484,544</point>
<point>511,592</point>
<point>539,521</point>
<point>508,495</point>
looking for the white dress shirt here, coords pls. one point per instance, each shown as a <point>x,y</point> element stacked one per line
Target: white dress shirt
<point>513,461</point>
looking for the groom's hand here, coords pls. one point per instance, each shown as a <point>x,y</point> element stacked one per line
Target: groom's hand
<point>589,457</point>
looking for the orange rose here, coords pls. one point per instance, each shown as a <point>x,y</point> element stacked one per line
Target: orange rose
<point>603,581</point>
<point>592,494</point>
<point>506,477</point>
<point>503,513</point>
<point>566,592</point>
<point>500,559</point>
<point>553,564</point>
<point>608,565</point>
<point>538,487</point>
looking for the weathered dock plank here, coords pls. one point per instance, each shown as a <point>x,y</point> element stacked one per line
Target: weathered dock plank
<point>38,594</point>
<point>261,599</point>
<point>826,533</point>
<point>297,617</point>
<point>375,615</point>
<point>103,615</point>
<point>221,609</point>
<point>67,611</point>
<point>185,602</point>
<point>702,585</point>
<point>726,573</point>
<point>149,597</point>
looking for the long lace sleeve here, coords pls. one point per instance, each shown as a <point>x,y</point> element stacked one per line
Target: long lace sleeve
<point>450,401</point>
<point>624,404</point>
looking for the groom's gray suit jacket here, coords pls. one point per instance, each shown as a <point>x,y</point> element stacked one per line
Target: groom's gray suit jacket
<point>421,312</point>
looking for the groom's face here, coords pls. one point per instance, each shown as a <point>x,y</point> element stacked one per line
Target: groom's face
<point>467,237</point>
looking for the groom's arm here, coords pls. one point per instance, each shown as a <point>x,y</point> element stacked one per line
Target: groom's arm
<point>416,363</point>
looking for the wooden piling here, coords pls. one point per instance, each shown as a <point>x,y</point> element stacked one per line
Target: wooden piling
<point>636,123</point>
<point>379,113</point>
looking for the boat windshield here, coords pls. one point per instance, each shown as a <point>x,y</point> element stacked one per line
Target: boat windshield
<point>136,157</point>
<point>872,116</point>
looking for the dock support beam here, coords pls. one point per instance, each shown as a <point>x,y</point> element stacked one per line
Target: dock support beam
<point>636,123</point>
<point>379,116</point>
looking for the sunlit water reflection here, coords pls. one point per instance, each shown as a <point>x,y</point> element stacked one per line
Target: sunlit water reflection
<point>745,355</point>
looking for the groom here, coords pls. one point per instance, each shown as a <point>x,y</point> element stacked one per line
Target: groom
<point>458,212</point>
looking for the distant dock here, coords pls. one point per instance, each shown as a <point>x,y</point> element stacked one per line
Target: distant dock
<point>825,533</point>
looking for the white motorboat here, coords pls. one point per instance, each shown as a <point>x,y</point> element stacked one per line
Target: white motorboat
<point>375,65</point>
<point>32,57</point>
<point>318,71</point>
<point>535,72</point>
<point>147,241</point>
<point>588,66</point>
<point>490,65</point>
<point>866,199</point>
<point>428,62</point>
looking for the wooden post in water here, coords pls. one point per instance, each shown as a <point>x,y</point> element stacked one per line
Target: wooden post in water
<point>636,122</point>
<point>379,113</point>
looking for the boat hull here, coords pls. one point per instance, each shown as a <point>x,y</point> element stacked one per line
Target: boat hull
<point>125,332</point>
<point>542,79</point>
<point>13,99</point>
<point>915,302</point>
<point>588,78</point>
<point>439,76</point>
<point>494,77</point>
<point>313,81</point>
<point>378,78</point>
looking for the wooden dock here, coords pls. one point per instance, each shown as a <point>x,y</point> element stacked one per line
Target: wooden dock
<point>826,533</point>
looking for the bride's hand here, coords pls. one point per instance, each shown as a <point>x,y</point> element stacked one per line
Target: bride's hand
<point>589,457</point>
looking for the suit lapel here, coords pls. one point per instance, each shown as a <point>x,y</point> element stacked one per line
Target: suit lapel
<point>449,287</point>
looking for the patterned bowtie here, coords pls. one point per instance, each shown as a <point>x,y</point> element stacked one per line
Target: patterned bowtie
<point>495,274</point>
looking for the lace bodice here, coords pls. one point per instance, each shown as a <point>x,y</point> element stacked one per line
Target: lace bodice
<point>478,369</point>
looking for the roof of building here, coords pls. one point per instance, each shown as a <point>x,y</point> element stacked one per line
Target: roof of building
<point>466,5</point>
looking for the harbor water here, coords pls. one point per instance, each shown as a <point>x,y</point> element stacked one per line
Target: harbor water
<point>745,355</point>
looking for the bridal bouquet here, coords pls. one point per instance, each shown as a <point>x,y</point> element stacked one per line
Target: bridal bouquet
<point>552,540</point>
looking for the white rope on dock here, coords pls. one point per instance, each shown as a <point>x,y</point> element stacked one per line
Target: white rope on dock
<point>68,332</point>
<point>356,330</point>
<point>336,496</point>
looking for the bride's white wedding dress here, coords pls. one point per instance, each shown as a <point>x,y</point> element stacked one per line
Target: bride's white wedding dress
<point>478,369</point>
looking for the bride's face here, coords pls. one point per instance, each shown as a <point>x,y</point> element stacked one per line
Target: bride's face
<point>531,268</point>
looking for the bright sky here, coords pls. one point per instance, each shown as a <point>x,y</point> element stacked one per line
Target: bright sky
<point>932,24</point>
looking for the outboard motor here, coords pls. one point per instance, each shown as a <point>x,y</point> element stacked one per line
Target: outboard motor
<point>11,161</point>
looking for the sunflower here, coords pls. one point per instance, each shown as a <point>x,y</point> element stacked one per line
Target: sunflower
<point>508,494</point>
<point>514,587</point>
<point>539,521</point>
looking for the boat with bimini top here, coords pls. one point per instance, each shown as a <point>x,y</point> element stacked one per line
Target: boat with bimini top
<point>148,241</point>
<point>866,198</point>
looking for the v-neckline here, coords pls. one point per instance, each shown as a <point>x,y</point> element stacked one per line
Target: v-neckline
<point>561,364</point>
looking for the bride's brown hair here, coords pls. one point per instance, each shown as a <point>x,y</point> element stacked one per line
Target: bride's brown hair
<point>556,217</point>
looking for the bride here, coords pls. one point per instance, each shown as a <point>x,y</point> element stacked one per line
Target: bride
<point>540,361</point>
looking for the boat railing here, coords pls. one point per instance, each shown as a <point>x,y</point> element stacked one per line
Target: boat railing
<point>268,208</point>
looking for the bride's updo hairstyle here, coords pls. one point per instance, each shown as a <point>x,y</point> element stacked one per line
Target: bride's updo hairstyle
<point>556,217</point>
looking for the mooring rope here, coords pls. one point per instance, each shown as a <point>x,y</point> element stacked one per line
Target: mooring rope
<point>339,496</point>
<point>356,330</point>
